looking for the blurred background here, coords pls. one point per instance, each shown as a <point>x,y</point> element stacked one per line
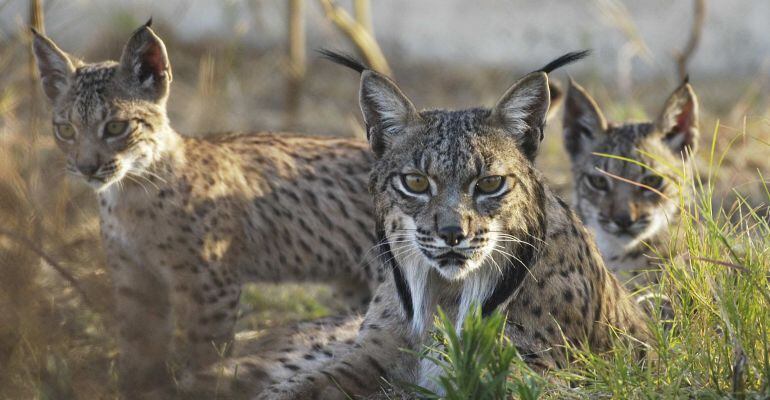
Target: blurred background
<point>250,65</point>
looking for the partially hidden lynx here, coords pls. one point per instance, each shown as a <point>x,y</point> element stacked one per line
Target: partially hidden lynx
<point>625,178</point>
<point>186,221</point>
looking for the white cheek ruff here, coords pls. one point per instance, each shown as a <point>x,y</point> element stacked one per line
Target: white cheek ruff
<point>416,272</point>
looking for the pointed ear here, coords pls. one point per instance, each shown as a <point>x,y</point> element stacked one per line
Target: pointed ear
<point>56,68</point>
<point>522,111</point>
<point>145,63</point>
<point>387,111</point>
<point>583,120</point>
<point>679,121</point>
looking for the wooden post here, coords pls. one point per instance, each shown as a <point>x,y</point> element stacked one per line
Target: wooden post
<point>297,62</point>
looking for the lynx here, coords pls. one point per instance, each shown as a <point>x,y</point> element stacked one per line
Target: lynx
<point>629,204</point>
<point>466,219</point>
<point>186,221</point>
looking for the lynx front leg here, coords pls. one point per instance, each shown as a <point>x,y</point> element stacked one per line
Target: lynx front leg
<point>142,312</point>
<point>205,303</point>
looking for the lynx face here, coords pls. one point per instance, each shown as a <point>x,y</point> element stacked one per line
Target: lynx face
<point>455,187</point>
<point>627,202</point>
<point>106,116</point>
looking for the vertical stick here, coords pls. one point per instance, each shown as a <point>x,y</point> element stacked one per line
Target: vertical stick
<point>35,21</point>
<point>297,61</point>
<point>363,12</point>
<point>297,38</point>
<point>683,58</point>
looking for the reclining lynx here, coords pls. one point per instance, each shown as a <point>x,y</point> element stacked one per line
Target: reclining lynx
<point>468,220</point>
<point>185,221</point>
<point>627,205</point>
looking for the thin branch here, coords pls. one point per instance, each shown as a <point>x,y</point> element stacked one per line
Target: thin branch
<point>635,183</point>
<point>363,12</point>
<point>359,35</point>
<point>36,20</point>
<point>297,39</point>
<point>50,261</point>
<point>683,57</point>
<point>722,263</point>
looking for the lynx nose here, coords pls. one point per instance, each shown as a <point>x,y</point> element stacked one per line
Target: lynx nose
<point>452,235</point>
<point>623,221</point>
<point>88,169</point>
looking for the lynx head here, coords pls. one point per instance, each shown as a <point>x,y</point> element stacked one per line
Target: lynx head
<point>453,187</point>
<point>624,202</point>
<point>107,116</point>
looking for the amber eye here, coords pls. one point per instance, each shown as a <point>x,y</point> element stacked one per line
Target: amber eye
<point>653,181</point>
<point>489,184</point>
<point>115,129</point>
<point>415,183</point>
<point>65,131</point>
<point>598,182</point>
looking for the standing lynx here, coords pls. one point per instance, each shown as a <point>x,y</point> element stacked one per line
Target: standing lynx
<point>629,205</point>
<point>185,221</point>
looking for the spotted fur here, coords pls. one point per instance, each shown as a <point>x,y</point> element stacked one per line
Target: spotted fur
<point>186,221</point>
<point>518,249</point>
<point>630,206</point>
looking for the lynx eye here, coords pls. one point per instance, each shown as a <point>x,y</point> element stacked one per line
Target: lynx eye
<point>598,182</point>
<point>65,131</point>
<point>653,181</point>
<point>415,183</point>
<point>489,184</point>
<point>115,129</point>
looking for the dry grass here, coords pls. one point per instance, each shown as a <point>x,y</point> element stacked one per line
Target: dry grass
<point>54,346</point>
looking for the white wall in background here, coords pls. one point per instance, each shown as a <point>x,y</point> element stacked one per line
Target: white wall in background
<point>524,33</point>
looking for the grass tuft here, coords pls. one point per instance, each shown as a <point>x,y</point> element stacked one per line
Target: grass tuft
<point>716,346</point>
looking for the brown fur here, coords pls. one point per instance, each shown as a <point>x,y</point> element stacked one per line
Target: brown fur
<point>521,249</point>
<point>186,221</point>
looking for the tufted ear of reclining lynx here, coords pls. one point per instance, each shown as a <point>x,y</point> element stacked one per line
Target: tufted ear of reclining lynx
<point>522,110</point>
<point>465,219</point>
<point>639,205</point>
<point>185,221</point>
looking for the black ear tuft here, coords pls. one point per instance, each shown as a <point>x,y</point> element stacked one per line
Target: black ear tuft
<point>148,23</point>
<point>343,59</point>
<point>566,59</point>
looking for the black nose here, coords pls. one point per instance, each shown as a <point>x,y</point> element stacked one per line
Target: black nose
<point>88,169</point>
<point>623,221</point>
<point>452,235</point>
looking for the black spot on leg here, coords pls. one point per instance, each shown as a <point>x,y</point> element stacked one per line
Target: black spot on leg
<point>568,296</point>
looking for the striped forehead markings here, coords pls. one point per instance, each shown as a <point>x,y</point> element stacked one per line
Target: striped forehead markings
<point>90,85</point>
